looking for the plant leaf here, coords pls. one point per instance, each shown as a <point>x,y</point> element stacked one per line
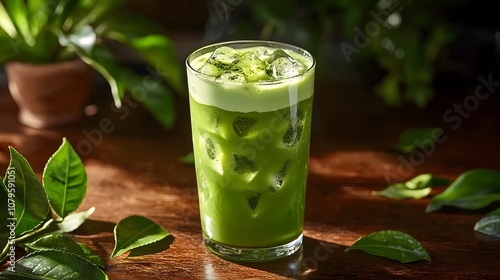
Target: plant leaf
<point>147,90</point>
<point>152,95</point>
<point>409,138</point>
<point>156,49</point>
<point>136,231</point>
<point>32,205</point>
<point>99,58</point>
<point>425,181</point>
<point>19,15</point>
<point>473,189</point>
<point>54,265</point>
<point>489,224</point>
<point>391,244</point>
<point>95,10</point>
<point>62,243</point>
<point>8,49</point>
<point>65,180</point>
<point>401,191</point>
<point>38,11</point>
<point>6,23</point>
<point>74,220</point>
<point>417,188</point>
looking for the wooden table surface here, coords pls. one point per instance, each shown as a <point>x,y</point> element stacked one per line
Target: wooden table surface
<point>133,168</point>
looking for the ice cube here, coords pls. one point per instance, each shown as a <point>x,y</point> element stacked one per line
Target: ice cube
<point>292,135</point>
<point>204,189</point>
<point>210,69</point>
<point>242,125</point>
<point>253,201</point>
<point>262,53</point>
<point>232,77</point>
<point>219,62</point>
<point>279,177</point>
<point>278,54</point>
<point>282,65</point>
<point>225,55</point>
<point>210,147</point>
<point>242,164</point>
<point>251,66</point>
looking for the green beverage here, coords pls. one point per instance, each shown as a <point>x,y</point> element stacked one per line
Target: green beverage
<point>251,104</point>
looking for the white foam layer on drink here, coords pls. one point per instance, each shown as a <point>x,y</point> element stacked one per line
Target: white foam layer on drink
<point>261,96</point>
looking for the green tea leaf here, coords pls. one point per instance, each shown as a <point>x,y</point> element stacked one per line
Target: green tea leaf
<point>31,202</point>
<point>136,231</point>
<point>409,139</point>
<point>74,220</point>
<point>401,191</point>
<point>489,224</point>
<point>391,244</point>
<point>65,180</point>
<point>417,188</point>
<point>54,265</point>
<point>63,243</point>
<point>425,181</point>
<point>473,189</point>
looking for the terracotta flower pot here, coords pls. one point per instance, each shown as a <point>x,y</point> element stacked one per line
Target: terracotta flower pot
<point>49,95</point>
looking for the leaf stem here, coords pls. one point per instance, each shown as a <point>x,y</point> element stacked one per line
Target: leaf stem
<point>4,252</point>
<point>31,233</point>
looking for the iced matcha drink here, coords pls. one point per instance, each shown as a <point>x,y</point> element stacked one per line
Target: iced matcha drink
<point>251,104</point>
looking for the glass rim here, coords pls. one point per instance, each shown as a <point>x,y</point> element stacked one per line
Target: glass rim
<point>204,50</point>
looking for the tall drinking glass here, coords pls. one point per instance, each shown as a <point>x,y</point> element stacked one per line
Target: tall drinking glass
<point>251,104</point>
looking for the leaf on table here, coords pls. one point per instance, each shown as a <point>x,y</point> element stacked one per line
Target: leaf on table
<point>426,181</point>
<point>153,248</point>
<point>136,231</point>
<point>74,220</point>
<point>415,138</point>
<point>416,188</point>
<point>54,265</point>
<point>63,243</point>
<point>489,224</point>
<point>400,191</point>
<point>391,244</point>
<point>65,180</point>
<point>31,202</point>
<point>473,189</point>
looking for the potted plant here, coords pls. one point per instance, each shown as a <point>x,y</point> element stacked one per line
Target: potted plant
<point>50,47</point>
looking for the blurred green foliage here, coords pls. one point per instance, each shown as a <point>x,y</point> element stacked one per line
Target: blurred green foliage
<point>405,41</point>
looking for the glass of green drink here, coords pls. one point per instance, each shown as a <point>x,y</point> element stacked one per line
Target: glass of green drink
<point>251,104</point>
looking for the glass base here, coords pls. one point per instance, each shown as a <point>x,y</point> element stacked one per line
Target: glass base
<point>242,254</point>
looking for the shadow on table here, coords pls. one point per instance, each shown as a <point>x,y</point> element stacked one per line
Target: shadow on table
<point>313,258</point>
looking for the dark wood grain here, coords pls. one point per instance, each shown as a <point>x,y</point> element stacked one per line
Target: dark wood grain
<point>134,169</point>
